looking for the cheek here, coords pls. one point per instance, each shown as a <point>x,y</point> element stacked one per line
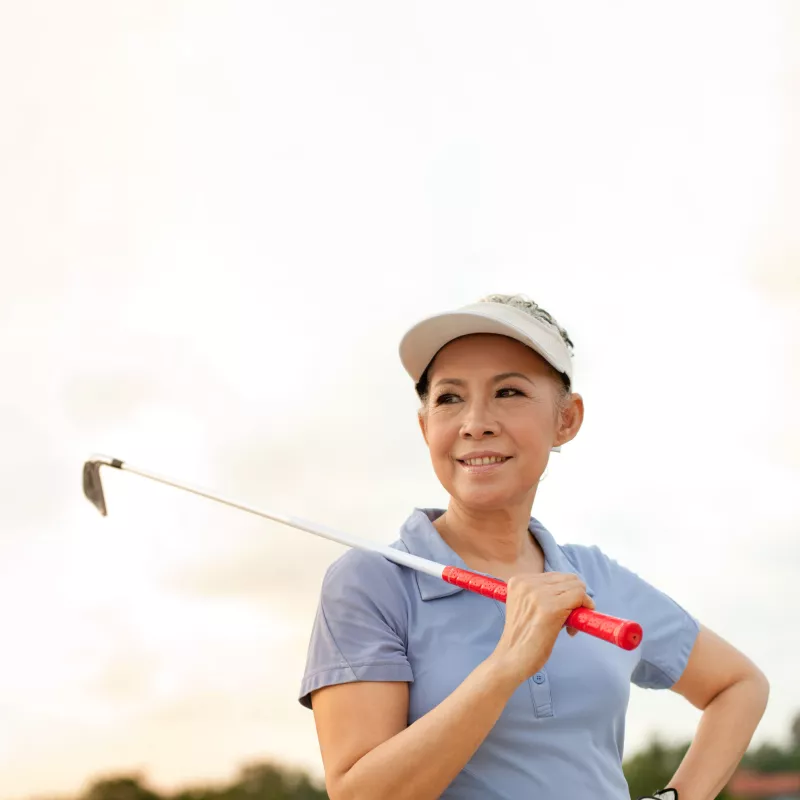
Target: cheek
<point>440,438</point>
<point>535,438</point>
<point>531,429</point>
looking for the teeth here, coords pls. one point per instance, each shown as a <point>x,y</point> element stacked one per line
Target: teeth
<point>479,462</point>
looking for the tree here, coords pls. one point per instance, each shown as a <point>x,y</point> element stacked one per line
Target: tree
<point>259,781</point>
<point>652,768</point>
<point>266,781</point>
<point>795,733</point>
<point>768,757</point>
<point>121,787</point>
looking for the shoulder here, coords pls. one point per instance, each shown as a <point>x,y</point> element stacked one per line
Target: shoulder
<point>601,567</point>
<point>590,560</point>
<point>366,578</point>
<point>669,630</point>
<point>606,574</point>
<point>622,584</point>
<point>355,566</point>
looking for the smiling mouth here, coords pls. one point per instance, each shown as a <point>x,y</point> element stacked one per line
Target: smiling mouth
<point>486,464</point>
<point>481,462</point>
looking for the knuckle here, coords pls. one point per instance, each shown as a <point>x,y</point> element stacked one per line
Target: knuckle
<point>524,582</point>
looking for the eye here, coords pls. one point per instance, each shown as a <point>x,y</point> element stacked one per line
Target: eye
<point>448,398</point>
<point>510,391</point>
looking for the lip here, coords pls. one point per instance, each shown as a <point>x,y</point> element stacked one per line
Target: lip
<point>483,469</point>
<point>482,454</point>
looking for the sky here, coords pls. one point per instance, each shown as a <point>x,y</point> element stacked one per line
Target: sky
<point>216,222</point>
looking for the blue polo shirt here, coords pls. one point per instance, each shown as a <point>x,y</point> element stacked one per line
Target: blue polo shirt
<point>561,734</point>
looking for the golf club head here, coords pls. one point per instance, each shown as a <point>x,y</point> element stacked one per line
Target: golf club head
<point>92,485</point>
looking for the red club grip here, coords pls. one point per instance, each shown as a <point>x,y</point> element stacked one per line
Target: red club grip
<point>621,632</point>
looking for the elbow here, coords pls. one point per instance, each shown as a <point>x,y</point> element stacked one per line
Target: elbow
<point>761,683</point>
<point>334,793</point>
<point>337,789</point>
<point>337,792</point>
<point>343,779</point>
<point>754,688</point>
<point>343,787</point>
<point>750,688</point>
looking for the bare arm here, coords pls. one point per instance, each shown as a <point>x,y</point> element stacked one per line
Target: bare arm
<point>732,694</point>
<point>365,723</point>
<point>369,750</point>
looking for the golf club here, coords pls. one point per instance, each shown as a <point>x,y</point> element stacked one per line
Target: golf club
<point>623,633</point>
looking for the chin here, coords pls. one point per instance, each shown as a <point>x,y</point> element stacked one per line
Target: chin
<point>486,498</point>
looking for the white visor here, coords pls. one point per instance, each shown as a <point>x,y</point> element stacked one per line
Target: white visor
<point>422,342</point>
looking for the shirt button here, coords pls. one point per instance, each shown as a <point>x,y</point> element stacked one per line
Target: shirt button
<point>538,678</point>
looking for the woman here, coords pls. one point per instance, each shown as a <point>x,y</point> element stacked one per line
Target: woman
<point>421,690</point>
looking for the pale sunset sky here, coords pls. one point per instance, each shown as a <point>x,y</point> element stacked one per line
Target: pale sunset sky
<point>218,218</point>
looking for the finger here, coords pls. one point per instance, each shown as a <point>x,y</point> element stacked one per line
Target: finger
<point>575,597</point>
<point>551,583</point>
<point>568,587</point>
<point>557,577</point>
<point>571,631</point>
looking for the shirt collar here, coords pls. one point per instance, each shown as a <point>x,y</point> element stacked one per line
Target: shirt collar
<point>418,536</point>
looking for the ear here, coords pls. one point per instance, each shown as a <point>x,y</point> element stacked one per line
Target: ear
<point>570,420</point>
<point>423,425</point>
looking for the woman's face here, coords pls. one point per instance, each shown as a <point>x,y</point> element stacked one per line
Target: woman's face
<point>491,418</point>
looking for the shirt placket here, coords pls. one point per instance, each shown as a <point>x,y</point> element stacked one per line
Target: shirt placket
<point>539,686</point>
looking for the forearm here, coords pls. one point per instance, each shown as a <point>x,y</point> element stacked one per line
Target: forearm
<point>722,737</point>
<point>422,760</point>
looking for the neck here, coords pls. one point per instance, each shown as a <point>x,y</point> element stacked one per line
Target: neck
<point>499,539</point>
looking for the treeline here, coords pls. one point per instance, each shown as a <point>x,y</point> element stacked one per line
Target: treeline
<point>651,768</point>
<point>647,770</point>
<point>262,781</point>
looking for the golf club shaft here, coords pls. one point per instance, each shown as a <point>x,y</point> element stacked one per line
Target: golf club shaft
<point>624,633</point>
<point>406,559</point>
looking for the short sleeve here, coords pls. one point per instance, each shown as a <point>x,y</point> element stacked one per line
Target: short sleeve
<point>360,630</point>
<point>668,630</point>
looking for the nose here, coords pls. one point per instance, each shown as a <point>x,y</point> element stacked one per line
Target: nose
<point>479,422</point>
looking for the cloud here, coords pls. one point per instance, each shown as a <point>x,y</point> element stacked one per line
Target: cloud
<point>356,463</point>
<point>112,377</point>
<point>211,260</point>
<point>775,265</point>
<point>32,491</point>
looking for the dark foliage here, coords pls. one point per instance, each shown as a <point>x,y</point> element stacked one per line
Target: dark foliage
<point>647,771</point>
<point>263,781</point>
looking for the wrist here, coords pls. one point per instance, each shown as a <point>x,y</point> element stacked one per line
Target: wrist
<point>505,672</point>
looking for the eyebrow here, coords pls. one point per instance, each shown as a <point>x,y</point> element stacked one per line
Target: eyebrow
<point>497,378</point>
